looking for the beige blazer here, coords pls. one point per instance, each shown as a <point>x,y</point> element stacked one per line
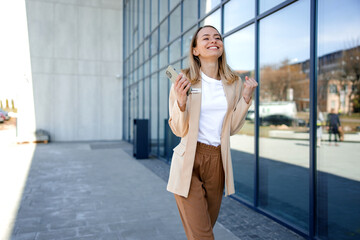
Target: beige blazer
<point>186,125</point>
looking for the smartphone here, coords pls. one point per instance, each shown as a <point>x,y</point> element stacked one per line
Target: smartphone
<point>172,75</point>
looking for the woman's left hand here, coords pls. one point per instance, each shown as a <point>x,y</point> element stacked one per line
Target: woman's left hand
<point>248,89</point>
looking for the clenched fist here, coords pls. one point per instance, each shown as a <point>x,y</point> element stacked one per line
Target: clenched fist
<point>248,89</point>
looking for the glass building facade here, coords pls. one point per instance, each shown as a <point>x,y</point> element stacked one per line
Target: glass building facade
<point>305,56</point>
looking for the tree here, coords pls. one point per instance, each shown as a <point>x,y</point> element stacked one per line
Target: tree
<point>350,73</point>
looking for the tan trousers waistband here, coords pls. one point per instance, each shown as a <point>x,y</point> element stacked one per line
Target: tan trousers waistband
<point>207,149</point>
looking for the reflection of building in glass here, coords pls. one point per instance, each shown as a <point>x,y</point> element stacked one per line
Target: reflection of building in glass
<point>338,82</point>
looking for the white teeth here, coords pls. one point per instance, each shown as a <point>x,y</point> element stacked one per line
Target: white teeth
<point>212,47</point>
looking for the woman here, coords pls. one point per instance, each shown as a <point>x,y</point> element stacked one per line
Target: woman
<point>205,119</point>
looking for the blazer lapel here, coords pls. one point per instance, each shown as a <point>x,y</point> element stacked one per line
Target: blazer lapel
<point>195,108</point>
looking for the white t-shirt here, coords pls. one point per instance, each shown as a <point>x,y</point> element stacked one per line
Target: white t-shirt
<point>212,112</point>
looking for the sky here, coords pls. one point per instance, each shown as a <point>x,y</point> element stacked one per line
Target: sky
<point>286,33</point>
<point>14,47</point>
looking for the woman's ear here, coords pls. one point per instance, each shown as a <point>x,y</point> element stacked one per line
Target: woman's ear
<point>195,52</point>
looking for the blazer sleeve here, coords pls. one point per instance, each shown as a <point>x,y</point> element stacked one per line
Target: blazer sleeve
<point>240,110</point>
<point>178,120</point>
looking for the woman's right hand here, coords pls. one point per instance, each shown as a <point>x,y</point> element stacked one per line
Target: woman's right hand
<point>181,86</point>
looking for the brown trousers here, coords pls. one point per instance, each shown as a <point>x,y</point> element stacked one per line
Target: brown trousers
<point>200,209</point>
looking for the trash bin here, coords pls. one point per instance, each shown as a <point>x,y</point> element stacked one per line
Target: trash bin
<point>171,141</point>
<point>141,138</point>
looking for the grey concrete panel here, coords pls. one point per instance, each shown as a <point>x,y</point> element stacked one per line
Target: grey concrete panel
<point>40,27</point>
<point>111,110</point>
<point>89,67</point>
<point>89,105</point>
<point>42,65</point>
<point>65,66</point>
<point>113,4</point>
<point>42,84</point>
<point>74,2</point>
<point>91,3</point>
<point>65,31</point>
<point>89,37</point>
<point>111,34</point>
<point>71,40</point>
<point>64,108</point>
<point>111,69</point>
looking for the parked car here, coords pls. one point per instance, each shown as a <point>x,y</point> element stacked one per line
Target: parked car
<point>279,119</point>
<point>2,117</point>
<point>5,113</point>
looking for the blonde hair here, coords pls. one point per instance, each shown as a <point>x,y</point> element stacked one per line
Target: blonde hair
<point>193,71</point>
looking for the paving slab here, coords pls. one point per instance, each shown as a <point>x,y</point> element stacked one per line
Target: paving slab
<point>95,191</point>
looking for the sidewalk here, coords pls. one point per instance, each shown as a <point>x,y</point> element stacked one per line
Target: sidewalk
<point>98,191</point>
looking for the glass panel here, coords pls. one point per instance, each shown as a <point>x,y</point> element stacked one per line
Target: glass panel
<point>147,18</point>
<point>141,72</point>
<point>154,42</point>
<point>146,49</point>
<point>154,63</point>
<point>237,13</point>
<point>135,25</point>
<point>187,40</point>
<point>163,9</point>
<point>147,68</point>
<point>147,98</point>
<point>190,13</point>
<point>175,23</point>
<point>175,50</point>
<point>267,4</point>
<point>154,114</point>
<point>163,58</point>
<point>207,5</point>
<point>133,109</point>
<point>283,113</point>
<point>214,20</point>
<point>163,33</point>
<point>136,62</point>
<point>126,118</point>
<point>141,54</point>
<point>154,14</point>
<point>240,51</point>
<point>141,20</point>
<point>173,3</point>
<point>141,99</point>
<point>338,154</point>
<point>163,110</point>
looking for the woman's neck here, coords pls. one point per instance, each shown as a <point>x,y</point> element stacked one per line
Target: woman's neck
<point>210,69</point>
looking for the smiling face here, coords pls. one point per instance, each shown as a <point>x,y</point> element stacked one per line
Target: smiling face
<point>209,44</point>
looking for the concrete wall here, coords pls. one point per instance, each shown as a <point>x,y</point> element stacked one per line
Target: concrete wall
<point>76,54</point>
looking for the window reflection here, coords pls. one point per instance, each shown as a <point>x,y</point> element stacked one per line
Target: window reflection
<point>175,23</point>
<point>190,13</point>
<point>154,13</point>
<point>175,50</point>
<point>154,86</point>
<point>186,41</point>
<point>238,12</point>
<point>338,191</point>
<point>163,33</point>
<point>268,4</point>
<point>163,110</point>
<point>163,9</point>
<point>207,5</point>
<point>147,17</point>
<point>240,53</point>
<point>283,113</point>
<point>214,20</point>
<point>154,42</point>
